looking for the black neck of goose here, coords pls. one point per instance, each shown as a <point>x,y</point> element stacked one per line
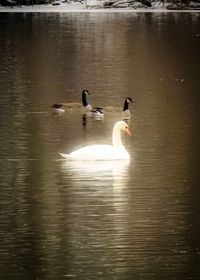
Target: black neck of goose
<point>125,105</point>
<point>84,99</point>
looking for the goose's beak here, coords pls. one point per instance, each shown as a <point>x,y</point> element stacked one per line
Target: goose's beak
<point>127,131</point>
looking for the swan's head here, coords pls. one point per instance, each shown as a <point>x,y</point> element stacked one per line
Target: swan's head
<point>123,126</point>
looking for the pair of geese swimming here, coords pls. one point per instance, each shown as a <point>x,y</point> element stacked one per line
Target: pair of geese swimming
<point>88,110</point>
<point>116,151</point>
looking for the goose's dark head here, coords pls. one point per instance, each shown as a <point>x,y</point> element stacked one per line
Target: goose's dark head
<point>129,99</point>
<point>126,103</point>
<point>85,92</point>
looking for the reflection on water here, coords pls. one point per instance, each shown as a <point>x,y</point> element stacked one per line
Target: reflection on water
<point>115,222</point>
<point>110,172</point>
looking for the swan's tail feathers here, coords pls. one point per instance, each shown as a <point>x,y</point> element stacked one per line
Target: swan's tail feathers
<point>64,155</point>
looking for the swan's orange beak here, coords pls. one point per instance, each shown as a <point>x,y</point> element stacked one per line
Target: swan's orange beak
<point>127,131</point>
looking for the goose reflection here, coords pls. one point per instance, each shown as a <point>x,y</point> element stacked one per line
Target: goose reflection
<point>85,119</point>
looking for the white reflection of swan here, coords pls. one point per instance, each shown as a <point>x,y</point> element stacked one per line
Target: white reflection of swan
<point>100,169</point>
<point>96,201</point>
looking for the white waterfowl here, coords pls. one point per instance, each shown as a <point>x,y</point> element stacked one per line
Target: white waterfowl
<point>116,151</point>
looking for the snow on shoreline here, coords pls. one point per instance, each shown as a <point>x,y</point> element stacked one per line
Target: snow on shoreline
<point>81,8</point>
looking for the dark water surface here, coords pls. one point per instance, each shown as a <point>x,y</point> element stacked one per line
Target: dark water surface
<point>105,221</point>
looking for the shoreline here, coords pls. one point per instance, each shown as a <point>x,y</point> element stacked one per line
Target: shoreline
<point>80,8</point>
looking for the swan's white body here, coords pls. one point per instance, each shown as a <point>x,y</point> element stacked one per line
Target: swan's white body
<point>116,151</point>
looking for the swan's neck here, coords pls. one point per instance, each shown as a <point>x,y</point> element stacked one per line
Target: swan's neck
<point>125,105</point>
<point>84,100</point>
<point>116,138</point>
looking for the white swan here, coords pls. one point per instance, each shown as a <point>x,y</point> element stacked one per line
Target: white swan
<point>116,151</point>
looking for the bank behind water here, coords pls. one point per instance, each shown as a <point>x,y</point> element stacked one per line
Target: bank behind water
<point>92,6</point>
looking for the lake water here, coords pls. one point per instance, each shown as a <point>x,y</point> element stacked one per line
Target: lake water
<point>100,220</point>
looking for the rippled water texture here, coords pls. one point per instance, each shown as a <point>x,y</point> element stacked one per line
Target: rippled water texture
<point>99,220</point>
